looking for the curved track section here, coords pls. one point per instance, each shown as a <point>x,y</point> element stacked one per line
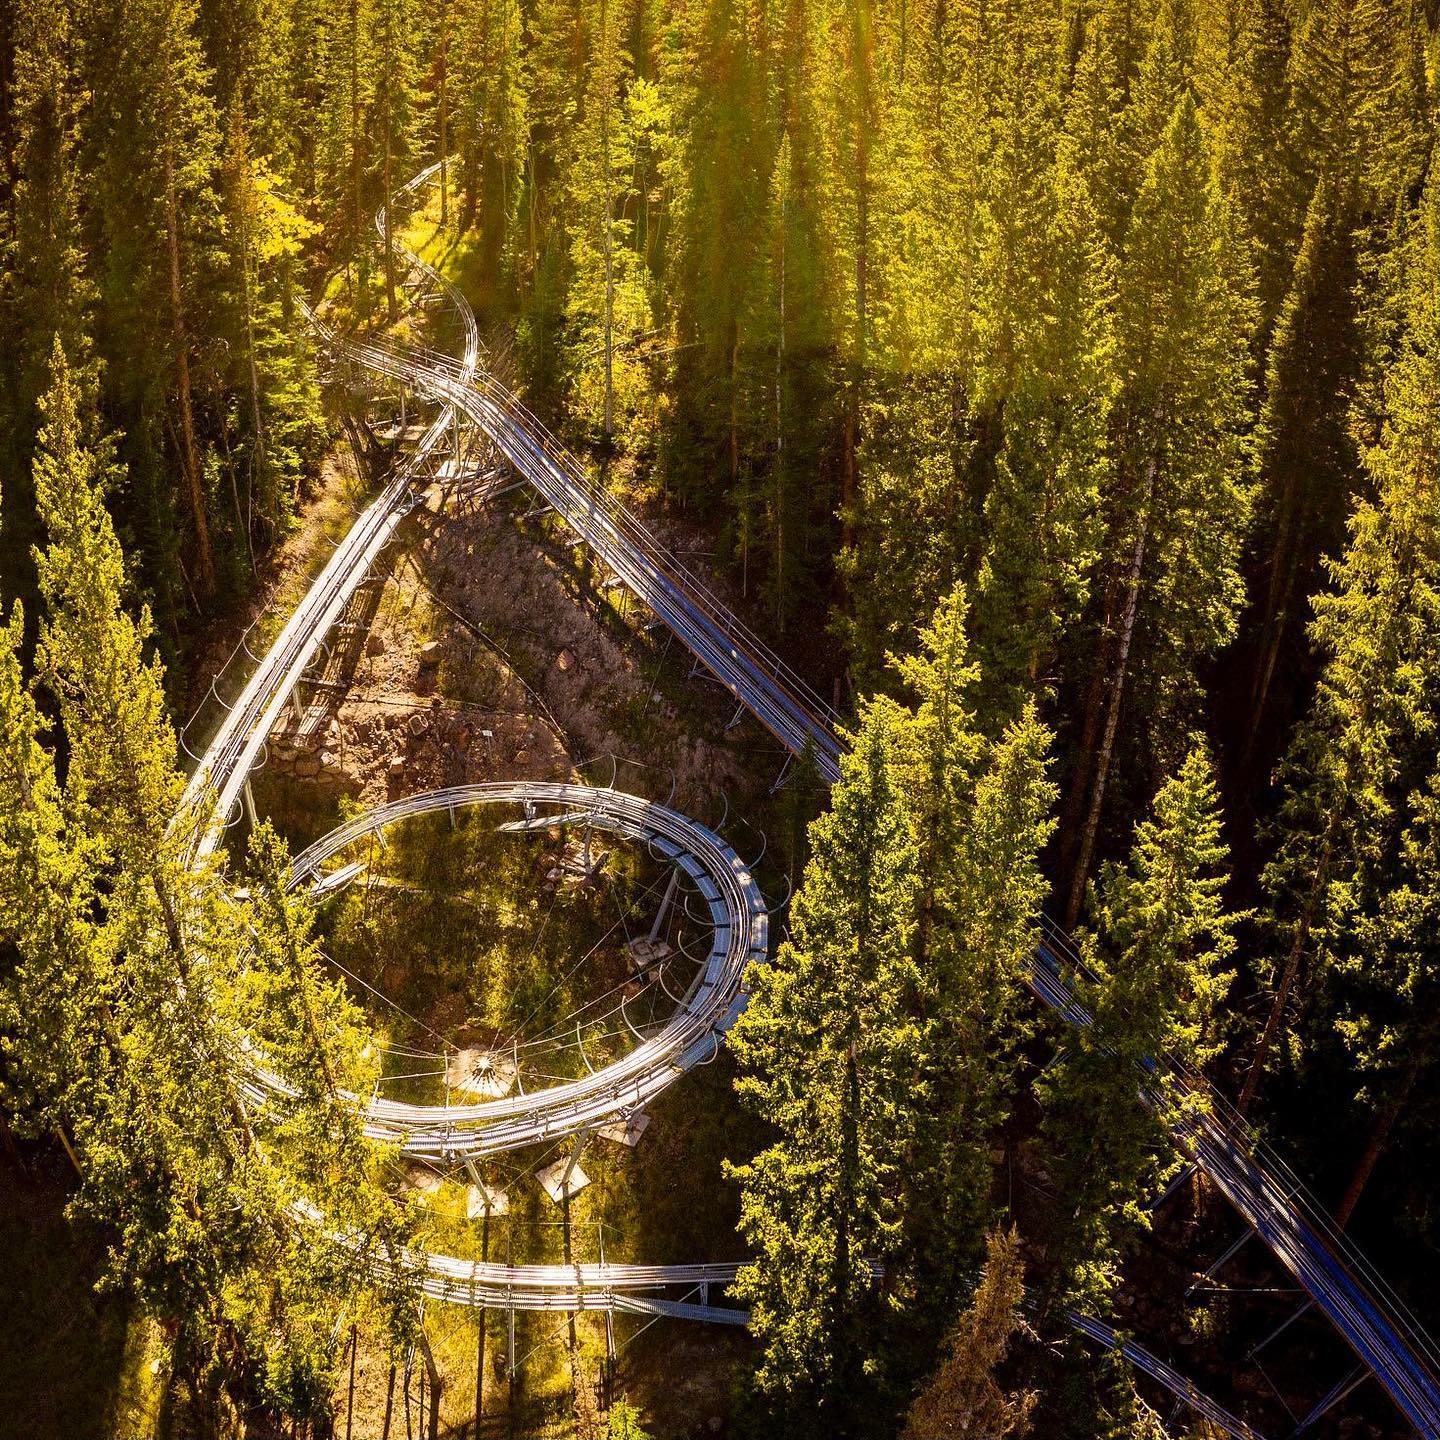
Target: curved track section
<point>692,1035</point>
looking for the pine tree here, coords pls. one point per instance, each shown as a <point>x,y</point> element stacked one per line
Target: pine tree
<point>964,1396</point>
<point>1042,509</point>
<point>982,816</point>
<point>1157,953</point>
<point>1242,51</point>
<point>392,120</point>
<point>142,1048</point>
<point>46,895</point>
<point>48,293</point>
<point>1178,515</point>
<point>606,301</point>
<point>490,121</point>
<point>828,1048</point>
<point>1367,742</point>
<point>155,140</point>
<point>1388,984</point>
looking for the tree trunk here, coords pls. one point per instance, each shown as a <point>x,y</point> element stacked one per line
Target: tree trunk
<point>609,216</point>
<point>443,112</point>
<point>1285,562</point>
<point>257,450</point>
<point>357,226</point>
<point>437,1384</point>
<point>1112,711</point>
<point>1089,740</point>
<point>389,1402</point>
<point>190,456</point>
<point>1382,1125</point>
<point>350,1398</point>
<point>1276,1017</point>
<point>390,309</point>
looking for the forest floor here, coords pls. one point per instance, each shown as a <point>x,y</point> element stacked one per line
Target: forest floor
<point>74,1364</point>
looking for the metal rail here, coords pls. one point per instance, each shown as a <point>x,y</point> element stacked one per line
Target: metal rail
<point>1384,1335</point>
<point>693,1033</point>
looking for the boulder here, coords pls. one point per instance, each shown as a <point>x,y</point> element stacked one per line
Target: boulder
<point>430,653</point>
<point>374,644</point>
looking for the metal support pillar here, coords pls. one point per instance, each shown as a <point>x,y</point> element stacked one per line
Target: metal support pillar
<point>576,1151</point>
<point>663,913</point>
<point>1332,1398</point>
<point>783,776</point>
<point>296,708</point>
<point>1222,1261</point>
<point>736,718</point>
<point>1279,1330</point>
<point>249,803</point>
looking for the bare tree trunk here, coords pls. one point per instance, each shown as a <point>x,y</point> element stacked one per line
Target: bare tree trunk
<point>443,112</point>
<point>437,1384</point>
<point>390,309</point>
<point>1291,969</point>
<point>778,470</point>
<point>1112,711</point>
<point>350,1398</point>
<point>609,240</point>
<point>1089,739</point>
<point>1380,1128</point>
<point>389,1402</point>
<point>356,223</point>
<point>257,449</point>
<point>1274,631</point>
<point>190,456</point>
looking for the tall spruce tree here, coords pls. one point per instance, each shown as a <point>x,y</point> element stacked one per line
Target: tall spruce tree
<point>982,813</point>
<point>1157,960</point>
<point>1177,517</point>
<point>142,988</point>
<point>1367,742</point>
<point>829,1048</point>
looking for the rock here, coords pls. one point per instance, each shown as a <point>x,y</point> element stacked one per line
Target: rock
<point>430,653</point>
<point>563,661</point>
<point>397,768</point>
<point>327,759</point>
<point>461,737</point>
<point>307,767</point>
<point>374,644</point>
<point>418,725</point>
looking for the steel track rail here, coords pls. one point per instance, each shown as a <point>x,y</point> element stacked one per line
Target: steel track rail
<point>693,1033</point>
<point>1388,1341</point>
<point>1380,1330</point>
